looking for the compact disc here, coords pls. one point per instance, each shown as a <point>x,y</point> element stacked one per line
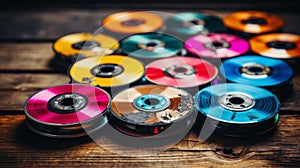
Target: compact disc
<point>253,22</point>
<point>256,70</point>
<point>276,45</point>
<point>237,109</point>
<point>107,71</point>
<point>217,45</point>
<point>151,109</point>
<point>67,111</point>
<point>182,72</point>
<point>151,45</point>
<point>132,22</point>
<point>189,23</point>
<point>85,44</point>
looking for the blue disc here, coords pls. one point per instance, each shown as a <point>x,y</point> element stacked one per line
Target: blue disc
<point>237,104</point>
<point>256,71</point>
<point>189,23</point>
<point>151,45</point>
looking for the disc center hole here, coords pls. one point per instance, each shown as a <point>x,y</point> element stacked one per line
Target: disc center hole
<point>107,69</point>
<point>180,70</point>
<point>236,100</point>
<point>68,102</point>
<point>217,44</point>
<point>133,22</point>
<point>255,20</point>
<point>197,22</point>
<point>255,69</point>
<point>85,45</point>
<point>281,45</point>
<point>152,101</point>
<point>151,44</point>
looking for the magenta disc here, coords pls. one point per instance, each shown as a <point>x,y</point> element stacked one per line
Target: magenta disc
<point>182,72</point>
<point>67,104</point>
<point>217,45</point>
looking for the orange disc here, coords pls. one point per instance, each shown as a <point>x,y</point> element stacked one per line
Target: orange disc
<point>276,45</point>
<point>133,22</point>
<point>253,22</point>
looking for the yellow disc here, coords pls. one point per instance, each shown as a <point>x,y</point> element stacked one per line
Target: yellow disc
<point>133,22</point>
<point>107,71</point>
<point>85,44</point>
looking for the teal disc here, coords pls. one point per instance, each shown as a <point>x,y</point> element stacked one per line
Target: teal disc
<point>189,23</point>
<point>151,45</point>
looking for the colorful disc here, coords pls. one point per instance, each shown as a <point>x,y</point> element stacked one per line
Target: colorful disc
<point>151,45</point>
<point>238,110</point>
<point>217,45</point>
<point>189,23</point>
<point>133,22</point>
<point>66,111</point>
<point>107,71</point>
<point>276,45</point>
<point>253,22</point>
<point>256,71</point>
<point>182,72</point>
<point>151,109</point>
<point>85,44</point>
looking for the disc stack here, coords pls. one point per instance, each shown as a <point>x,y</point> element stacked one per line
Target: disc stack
<point>237,110</point>
<point>181,72</point>
<point>112,73</point>
<point>122,24</point>
<point>188,24</point>
<point>272,74</point>
<point>67,111</point>
<point>152,110</point>
<point>249,23</point>
<point>216,46</point>
<point>150,46</point>
<point>75,46</point>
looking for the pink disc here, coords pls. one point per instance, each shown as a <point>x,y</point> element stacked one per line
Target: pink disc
<point>67,104</point>
<point>182,72</point>
<point>217,45</point>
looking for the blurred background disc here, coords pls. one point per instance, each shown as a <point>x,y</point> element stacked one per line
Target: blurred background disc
<point>85,44</point>
<point>189,23</point>
<point>67,111</point>
<point>276,45</point>
<point>133,22</point>
<point>148,110</point>
<point>151,46</point>
<point>237,110</point>
<point>107,71</point>
<point>217,45</point>
<point>253,22</point>
<point>181,72</point>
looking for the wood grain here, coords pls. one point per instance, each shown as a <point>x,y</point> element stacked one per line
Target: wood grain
<point>19,147</point>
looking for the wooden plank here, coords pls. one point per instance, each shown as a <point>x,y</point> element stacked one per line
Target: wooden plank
<point>16,88</point>
<point>20,147</point>
<point>28,57</point>
<point>51,24</point>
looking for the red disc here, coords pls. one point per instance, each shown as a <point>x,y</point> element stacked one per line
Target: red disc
<point>67,104</point>
<point>182,72</point>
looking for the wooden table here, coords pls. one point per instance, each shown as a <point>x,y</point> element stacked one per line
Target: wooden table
<point>27,65</point>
